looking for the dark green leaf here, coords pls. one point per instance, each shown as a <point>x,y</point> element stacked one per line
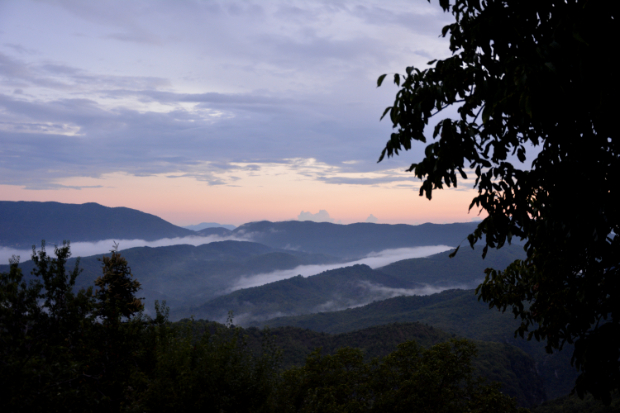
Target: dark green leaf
<point>380,81</point>
<point>386,111</point>
<point>453,253</point>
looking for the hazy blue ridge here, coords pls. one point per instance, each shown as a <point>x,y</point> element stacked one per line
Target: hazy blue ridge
<point>354,286</point>
<point>354,240</point>
<point>23,224</point>
<point>219,231</point>
<point>205,225</point>
<point>338,288</point>
<point>464,270</point>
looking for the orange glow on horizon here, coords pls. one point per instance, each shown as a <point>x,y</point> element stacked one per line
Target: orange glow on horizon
<point>273,195</point>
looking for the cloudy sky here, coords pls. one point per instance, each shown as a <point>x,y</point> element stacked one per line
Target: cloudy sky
<point>220,111</point>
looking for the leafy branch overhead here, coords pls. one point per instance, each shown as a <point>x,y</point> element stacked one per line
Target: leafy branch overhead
<point>535,88</point>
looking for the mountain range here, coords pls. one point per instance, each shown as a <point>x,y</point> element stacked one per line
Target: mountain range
<point>248,272</point>
<point>353,240</point>
<point>353,286</point>
<point>204,225</point>
<point>23,224</point>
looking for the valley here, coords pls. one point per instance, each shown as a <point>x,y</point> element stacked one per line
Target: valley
<point>321,285</point>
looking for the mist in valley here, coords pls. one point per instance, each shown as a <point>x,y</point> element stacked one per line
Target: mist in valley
<point>371,293</point>
<point>373,260</point>
<point>190,285</point>
<point>87,249</point>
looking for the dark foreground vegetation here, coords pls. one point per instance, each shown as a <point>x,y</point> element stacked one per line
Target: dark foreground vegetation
<point>94,350</point>
<point>520,75</point>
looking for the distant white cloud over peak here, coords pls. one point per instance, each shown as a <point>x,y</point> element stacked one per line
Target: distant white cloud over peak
<point>373,219</point>
<point>321,216</point>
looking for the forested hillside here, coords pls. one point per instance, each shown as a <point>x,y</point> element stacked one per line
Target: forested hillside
<point>354,286</point>
<point>497,362</point>
<point>196,281</point>
<point>454,311</point>
<point>334,289</point>
<point>573,404</point>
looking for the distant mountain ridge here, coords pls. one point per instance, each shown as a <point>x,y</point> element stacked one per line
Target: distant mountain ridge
<point>353,240</point>
<point>23,224</point>
<point>219,231</point>
<point>204,225</point>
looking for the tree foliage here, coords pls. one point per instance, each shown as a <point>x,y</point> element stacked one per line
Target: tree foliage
<point>437,380</point>
<point>59,351</point>
<point>210,370</point>
<point>116,289</point>
<point>532,76</point>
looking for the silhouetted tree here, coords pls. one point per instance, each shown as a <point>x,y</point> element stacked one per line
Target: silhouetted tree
<point>532,73</point>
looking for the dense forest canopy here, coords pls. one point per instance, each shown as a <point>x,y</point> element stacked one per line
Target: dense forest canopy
<point>527,74</point>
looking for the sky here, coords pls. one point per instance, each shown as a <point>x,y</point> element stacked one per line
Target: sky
<point>216,111</point>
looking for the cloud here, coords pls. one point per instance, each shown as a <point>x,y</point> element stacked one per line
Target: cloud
<point>20,49</point>
<point>373,219</point>
<point>339,180</point>
<point>422,20</point>
<point>63,77</point>
<point>321,216</point>
<point>145,143</point>
<point>85,249</point>
<point>381,292</point>
<point>374,292</point>
<point>175,85</point>
<point>373,260</point>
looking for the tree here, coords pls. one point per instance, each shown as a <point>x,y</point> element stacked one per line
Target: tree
<point>116,289</point>
<point>207,367</point>
<point>526,74</point>
<point>44,327</point>
<point>66,350</point>
<point>438,379</point>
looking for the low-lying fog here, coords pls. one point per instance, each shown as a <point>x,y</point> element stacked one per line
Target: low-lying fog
<point>373,260</point>
<point>337,303</point>
<point>86,249</point>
